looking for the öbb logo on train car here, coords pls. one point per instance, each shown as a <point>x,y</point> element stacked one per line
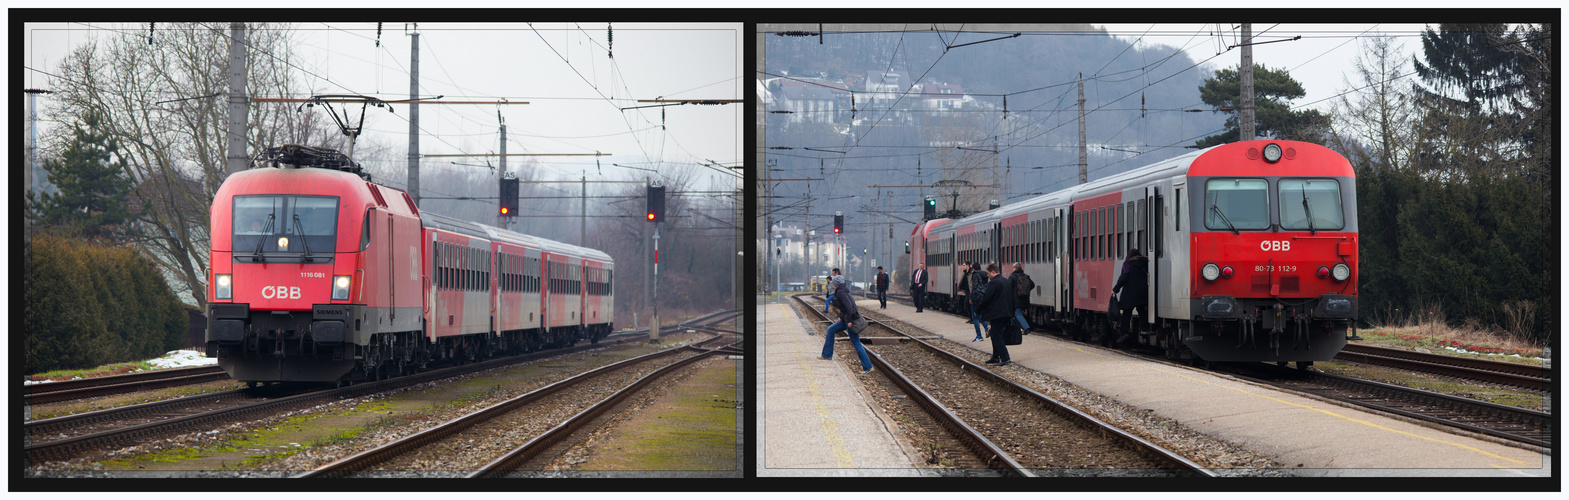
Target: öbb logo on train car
<point>1275,246</point>
<point>280,292</point>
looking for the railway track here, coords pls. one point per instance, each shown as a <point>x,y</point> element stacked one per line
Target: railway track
<point>67,437</point>
<point>1514,424</point>
<point>1507,422</point>
<point>119,384</point>
<point>432,449</point>
<point>1512,374</point>
<point>1033,432</point>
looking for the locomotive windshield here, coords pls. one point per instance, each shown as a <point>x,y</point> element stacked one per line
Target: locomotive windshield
<point>1319,198</point>
<point>1236,203</point>
<point>275,223</point>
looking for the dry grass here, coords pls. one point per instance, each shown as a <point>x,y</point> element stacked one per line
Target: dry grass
<point>1429,328</point>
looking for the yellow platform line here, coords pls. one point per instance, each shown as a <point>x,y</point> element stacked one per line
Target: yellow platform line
<point>1158,368</point>
<point>830,429</point>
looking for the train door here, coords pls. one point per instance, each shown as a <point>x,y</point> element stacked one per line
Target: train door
<point>1154,213</point>
<point>1070,256</point>
<point>392,294</point>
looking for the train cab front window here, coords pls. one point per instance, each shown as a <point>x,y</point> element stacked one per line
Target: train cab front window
<point>1236,204</point>
<point>1312,204</point>
<point>273,224</point>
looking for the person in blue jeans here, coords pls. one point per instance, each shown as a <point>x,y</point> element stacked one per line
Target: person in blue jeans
<point>847,314</point>
<point>1021,281</point>
<point>977,286</point>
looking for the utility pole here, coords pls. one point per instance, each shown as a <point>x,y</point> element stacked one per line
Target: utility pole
<point>582,235</point>
<point>414,115</point>
<point>1245,108</point>
<point>502,221</point>
<point>1084,162</point>
<point>235,156</point>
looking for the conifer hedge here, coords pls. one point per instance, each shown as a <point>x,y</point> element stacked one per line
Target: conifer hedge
<point>91,305</point>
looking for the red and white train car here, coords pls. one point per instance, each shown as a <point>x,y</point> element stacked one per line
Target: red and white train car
<point>320,275</point>
<point>1252,248</point>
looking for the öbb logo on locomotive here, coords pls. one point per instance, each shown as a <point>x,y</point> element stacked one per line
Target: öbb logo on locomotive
<point>321,274</point>
<point>1248,256</point>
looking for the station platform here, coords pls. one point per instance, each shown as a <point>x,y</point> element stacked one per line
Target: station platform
<point>816,419</point>
<point>1313,437</point>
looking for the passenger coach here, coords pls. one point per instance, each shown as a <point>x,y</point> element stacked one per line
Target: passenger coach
<point>1252,248</point>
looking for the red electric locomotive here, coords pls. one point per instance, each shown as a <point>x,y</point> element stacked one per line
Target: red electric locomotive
<point>1252,248</point>
<point>320,275</point>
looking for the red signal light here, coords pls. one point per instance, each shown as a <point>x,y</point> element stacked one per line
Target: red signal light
<point>504,210</point>
<point>650,216</point>
<point>836,230</point>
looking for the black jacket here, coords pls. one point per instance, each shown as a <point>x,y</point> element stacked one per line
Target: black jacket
<point>1018,299</point>
<point>846,305</point>
<point>919,283</point>
<point>964,283</point>
<point>1136,280</point>
<point>882,282</point>
<point>996,299</point>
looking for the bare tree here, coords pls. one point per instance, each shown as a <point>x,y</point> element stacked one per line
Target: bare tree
<point>1379,111</point>
<point>164,102</point>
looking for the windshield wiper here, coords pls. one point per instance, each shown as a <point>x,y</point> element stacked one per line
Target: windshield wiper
<point>306,257</point>
<point>1309,210</point>
<point>1216,208</point>
<point>262,240</point>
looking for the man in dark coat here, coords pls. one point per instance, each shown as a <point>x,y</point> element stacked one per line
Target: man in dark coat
<point>882,288</point>
<point>996,304</point>
<point>918,287</point>
<point>1135,278</point>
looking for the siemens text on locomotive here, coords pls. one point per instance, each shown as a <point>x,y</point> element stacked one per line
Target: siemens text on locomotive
<point>1252,248</point>
<point>320,275</point>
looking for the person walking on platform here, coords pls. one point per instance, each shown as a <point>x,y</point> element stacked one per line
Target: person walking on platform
<point>964,291</point>
<point>882,288</point>
<point>978,281</point>
<point>1135,278</point>
<point>830,295</point>
<point>1022,285</point>
<point>996,304</point>
<point>918,287</point>
<point>848,314</point>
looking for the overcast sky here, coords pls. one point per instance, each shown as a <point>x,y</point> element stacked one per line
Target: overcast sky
<point>563,70</point>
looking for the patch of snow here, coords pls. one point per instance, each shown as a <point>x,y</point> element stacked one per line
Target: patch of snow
<point>177,359</point>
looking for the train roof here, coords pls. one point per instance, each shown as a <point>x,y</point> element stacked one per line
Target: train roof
<point>485,231</point>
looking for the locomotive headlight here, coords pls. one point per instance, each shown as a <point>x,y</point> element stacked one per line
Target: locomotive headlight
<point>1272,152</point>
<point>1211,271</point>
<point>340,287</point>
<point>225,288</point>
<point>1342,272</point>
<point>283,242</point>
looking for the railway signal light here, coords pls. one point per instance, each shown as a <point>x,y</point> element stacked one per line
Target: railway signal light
<point>931,208</point>
<point>509,197</point>
<point>656,203</point>
<point>838,222</point>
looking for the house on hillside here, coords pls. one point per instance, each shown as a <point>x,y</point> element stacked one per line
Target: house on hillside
<point>813,100</point>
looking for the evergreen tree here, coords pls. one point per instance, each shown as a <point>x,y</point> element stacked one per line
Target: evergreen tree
<point>1272,91</point>
<point>92,185</point>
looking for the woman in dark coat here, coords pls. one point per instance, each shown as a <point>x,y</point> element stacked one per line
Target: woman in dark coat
<point>847,314</point>
<point>1136,278</point>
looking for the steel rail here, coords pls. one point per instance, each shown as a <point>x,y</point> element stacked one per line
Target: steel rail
<point>65,448</point>
<point>367,459</point>
<point>994,456</point>
<point>1520,416</point>
<point>519,456</point>
<point>1138,444</point>
<point>1513,374</point>
<point>122,388</point>
<point>32,391</point>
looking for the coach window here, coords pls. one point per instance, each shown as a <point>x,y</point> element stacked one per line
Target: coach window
<point>1318,197</point>
<point>1236,203</point>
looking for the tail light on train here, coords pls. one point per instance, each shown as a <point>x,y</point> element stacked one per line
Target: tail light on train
<point>1226,272</point>
<point>225,290</point>
<point>340,287</point>
<point>1323,271</point>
